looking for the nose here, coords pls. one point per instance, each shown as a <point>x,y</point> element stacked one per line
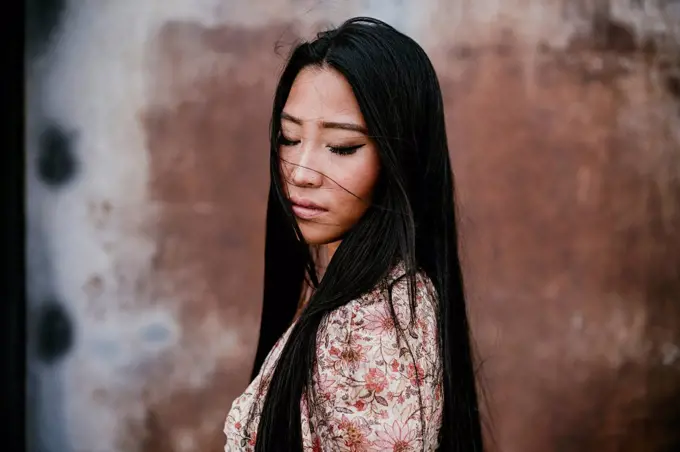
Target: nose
<point>303,172</point>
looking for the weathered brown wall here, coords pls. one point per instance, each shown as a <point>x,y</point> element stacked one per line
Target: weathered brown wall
<point>568,166</point>
<point>146,223</point>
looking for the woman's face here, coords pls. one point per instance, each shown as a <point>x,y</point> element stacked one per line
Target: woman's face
<point>328,163</point>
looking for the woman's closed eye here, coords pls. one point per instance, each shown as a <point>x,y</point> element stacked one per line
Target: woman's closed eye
<point>283,141</point>
<point>340,150</point>
<point>345,150</point>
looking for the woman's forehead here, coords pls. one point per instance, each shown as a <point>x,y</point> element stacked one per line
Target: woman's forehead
<point>322,95</point>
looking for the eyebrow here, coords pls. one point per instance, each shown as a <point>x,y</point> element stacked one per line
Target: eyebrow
<point>328,125</point>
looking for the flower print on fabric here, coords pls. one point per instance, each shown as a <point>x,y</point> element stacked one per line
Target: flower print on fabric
<point>370,379</point>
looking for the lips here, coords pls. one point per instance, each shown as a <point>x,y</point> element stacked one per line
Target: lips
<point>306,209</point>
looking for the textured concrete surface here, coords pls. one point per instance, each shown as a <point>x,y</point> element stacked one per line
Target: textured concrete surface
<point>147,181</point>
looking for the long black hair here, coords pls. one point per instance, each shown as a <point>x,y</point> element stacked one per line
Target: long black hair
<point>411,220</point>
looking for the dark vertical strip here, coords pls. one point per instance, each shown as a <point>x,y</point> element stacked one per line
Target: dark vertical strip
<point>13,302</point>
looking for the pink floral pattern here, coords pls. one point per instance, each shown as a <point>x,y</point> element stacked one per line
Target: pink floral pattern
<point>369,380</point>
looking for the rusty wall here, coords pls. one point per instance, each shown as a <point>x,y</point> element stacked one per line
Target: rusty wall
<point>147,180</point>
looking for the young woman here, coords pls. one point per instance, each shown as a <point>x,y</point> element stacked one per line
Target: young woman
<point>363,285</point>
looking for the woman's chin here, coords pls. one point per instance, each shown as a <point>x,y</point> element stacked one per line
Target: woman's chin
<point>315,237</point>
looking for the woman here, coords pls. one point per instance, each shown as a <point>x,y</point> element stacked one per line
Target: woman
<point>361,240</point>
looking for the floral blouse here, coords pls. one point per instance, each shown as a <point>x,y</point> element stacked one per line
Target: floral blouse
<point>365,378</point>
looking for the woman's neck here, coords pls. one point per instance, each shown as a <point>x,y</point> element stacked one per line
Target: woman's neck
<point>331,248</point>
<point>322,256</point>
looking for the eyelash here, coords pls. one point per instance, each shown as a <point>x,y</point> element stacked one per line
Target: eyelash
<point>340,150</point>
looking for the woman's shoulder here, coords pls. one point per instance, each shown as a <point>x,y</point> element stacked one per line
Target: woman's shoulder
<point>374,375</point>
<point>394,290</point>
<point>388,309</point>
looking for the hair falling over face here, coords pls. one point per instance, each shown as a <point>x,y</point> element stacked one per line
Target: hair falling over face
<point>405,214</point>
